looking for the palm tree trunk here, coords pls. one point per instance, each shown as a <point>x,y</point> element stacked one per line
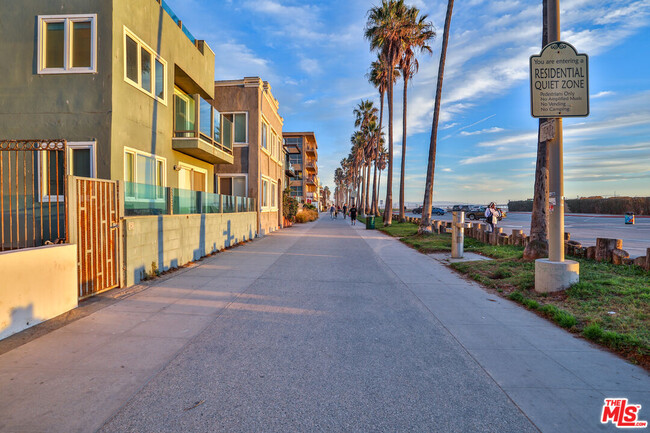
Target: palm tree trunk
<point>378,186</point>
<point>375,189</point>
<point>363,190</point>
<point>402,214</point>
<point>425,221</point>
<point>366,206</point>
<point>538,245</point>
<point>388,211</point>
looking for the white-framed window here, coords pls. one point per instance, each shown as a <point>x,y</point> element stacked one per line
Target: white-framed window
<point>265,133</point>
<point>265,193</point>
<point>52,176</point>
<point>143,167</point>
<point>143,68</point>
<point>184,114</point>
<point>82,159</point>
<point>240,125</point>
<point>235,185</point>
<point>67,44</point>
<point>192,178</point>
<point>268,194</point>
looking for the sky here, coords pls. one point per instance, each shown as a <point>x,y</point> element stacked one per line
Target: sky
<point>314,55</point>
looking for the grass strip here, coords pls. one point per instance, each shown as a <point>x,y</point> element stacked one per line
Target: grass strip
<point>609,306</point>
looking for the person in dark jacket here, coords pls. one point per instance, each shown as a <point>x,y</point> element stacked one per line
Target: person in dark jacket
<point>345,211</point>
<point>353,214</point>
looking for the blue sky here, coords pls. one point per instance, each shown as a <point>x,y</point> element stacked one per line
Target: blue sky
<point>315,57</point>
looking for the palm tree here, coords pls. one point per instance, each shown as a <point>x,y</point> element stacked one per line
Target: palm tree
<point>416,39</point>
<point>538,245</point>
<point>382,161</point>
<point>378,77</point>
<point>339,179</point>
<point>425,221</point>
<point>385,29</point>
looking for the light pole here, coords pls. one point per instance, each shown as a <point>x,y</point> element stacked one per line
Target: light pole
<point>554,100</point>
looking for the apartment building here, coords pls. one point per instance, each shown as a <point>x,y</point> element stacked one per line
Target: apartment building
<point>302,150</point>
<point>122,81</point>
<point>258,169</point>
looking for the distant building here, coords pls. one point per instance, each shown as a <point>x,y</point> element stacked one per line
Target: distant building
<point>259,162</point>
<point>122,81</point>
<point>302,150</point>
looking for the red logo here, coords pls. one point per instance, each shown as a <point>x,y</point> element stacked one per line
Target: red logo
<point>622,414</point>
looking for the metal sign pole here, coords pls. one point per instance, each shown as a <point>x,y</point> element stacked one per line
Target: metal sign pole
<point>556,165</point>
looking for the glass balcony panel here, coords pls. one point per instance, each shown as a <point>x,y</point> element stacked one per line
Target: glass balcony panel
<point>216,132</point>
<point>228,204</point>
<point>205,112</point>
<point>187,201</point>
<point>144,199</point>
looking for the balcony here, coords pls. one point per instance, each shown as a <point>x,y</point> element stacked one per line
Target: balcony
<point>310,150</point>
<point>288,168</point>
<point>311,166</point>
<point>177,20</point>
<point>206,136</point>
<point>310,180</point>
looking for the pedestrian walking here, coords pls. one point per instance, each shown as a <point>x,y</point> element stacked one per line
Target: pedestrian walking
<point>492,215</point>
<point>332,212</point>
<point>336,212</point>
<point>353,214</point>
<point>345,210</point>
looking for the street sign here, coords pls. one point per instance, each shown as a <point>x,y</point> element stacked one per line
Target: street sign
<point>547,130</point>
<point>559,82</point>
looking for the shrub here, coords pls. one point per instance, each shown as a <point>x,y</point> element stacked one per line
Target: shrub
<point>289,205</point>
<point>306,215</point>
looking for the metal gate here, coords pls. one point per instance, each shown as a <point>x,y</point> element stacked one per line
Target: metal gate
<point>96,213</point>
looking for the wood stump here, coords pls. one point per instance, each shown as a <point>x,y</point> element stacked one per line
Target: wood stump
<point>604,248</point>
<point>618,256</point>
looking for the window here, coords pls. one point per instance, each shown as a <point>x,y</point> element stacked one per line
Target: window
<point>141,167</point>
<point>241,128</point>
<point>81,159</point>
<point>273,195</point>
<point>67,44</point>
<point>296,191</point>
<point>52,175</point>
<point>264,135</point>
<point>233,185</point>
<point>265,193</point>
<point>143,68</point>
<point>184,114</point>
<point>295,158</point>
<point>269,194</point>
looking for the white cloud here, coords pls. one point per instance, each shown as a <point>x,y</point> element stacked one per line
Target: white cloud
<point>602,94</point>
<point>483,131</point>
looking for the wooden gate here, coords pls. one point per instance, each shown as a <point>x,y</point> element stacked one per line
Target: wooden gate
<point>95,212</point>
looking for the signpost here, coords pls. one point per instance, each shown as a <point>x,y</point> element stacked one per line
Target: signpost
<point>559,87</point>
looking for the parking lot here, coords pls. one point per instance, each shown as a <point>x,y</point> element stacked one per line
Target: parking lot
<point>586,228</point>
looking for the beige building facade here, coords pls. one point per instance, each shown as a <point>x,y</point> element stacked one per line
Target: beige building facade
<point>258,169</point>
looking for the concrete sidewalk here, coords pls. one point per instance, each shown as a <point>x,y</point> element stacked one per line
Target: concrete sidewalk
<point>320,327</point>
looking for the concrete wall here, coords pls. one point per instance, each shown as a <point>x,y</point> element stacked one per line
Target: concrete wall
<point>36,284</point>
<point>167,241</point>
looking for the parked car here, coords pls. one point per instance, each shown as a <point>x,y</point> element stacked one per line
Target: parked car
<point>479,214</point>
<point>461,207</point>
<point>434,211</point>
